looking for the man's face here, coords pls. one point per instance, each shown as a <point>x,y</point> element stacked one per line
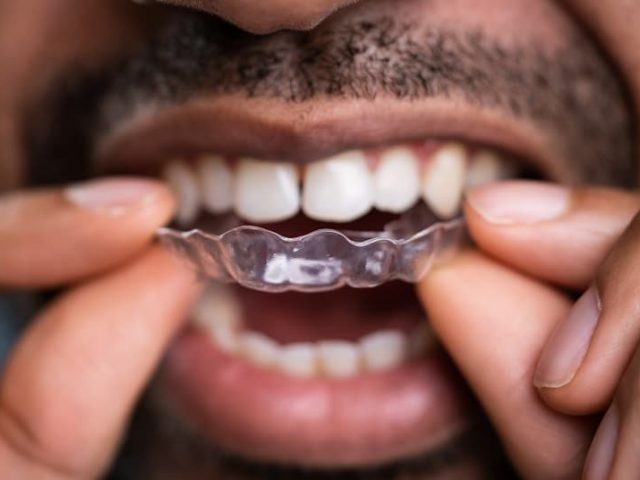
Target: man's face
<point>107,86</point>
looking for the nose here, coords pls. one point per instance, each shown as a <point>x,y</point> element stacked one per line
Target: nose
<point>265,16</point>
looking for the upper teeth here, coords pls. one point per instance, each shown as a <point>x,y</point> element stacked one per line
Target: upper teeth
<point>218,315</point>
<point>397,180</point>
<point>184,183</point>
<point>443,181</point>
<point>487,166</point>
<point>216,182</point>
<point>266,191</point>
<point>338,189</point>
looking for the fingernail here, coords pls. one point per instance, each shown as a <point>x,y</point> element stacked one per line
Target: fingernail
<point>519,201</point>
<point>565,350</point>
<point>603,447</point>
<point>113,196</point>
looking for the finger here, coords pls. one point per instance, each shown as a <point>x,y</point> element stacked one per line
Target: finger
<point>552,232</point>
<point>615,452</point>
<point>53,236</point>
<point>585,358</point>
<point>70,384</point>
<point>493,322</point>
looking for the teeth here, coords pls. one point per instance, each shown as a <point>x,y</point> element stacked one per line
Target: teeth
<point>487,166</point>
<point>384,350</point>
<point>183,182</point>
<point>258,349</point>
<point>443,180</point>
<point>266,192</point>
<point>339,189</point>
<point>216,182</point>
<point>218,314</point>
<point>298,360</point>
<point>339,359</point>
<point>396,179</point>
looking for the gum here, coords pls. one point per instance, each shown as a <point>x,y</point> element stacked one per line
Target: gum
<point>323,260</point>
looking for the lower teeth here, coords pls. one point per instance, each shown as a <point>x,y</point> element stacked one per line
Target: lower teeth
<point>218,315</point>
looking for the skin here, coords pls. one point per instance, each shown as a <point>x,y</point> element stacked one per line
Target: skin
<point>513,287</point>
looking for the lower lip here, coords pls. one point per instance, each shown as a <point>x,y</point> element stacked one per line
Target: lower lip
<point>262,415</point>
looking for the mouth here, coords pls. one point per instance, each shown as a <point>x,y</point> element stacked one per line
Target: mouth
<point>347,378</point>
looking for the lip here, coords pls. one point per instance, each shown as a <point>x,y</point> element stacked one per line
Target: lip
<point>266,128</point>
<point>318,423</point>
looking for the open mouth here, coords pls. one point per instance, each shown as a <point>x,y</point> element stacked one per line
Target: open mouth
<point>340,379</point>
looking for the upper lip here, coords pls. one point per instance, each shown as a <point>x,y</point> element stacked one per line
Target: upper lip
<point>303,132</point>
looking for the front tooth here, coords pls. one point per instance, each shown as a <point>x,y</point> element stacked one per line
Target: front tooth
<point>487,166</point>
<point>216,182</point>
<point>298,359</point>
<point>218,314</point>
<point>443,180</point>
<point>258,349</point>
<point>266,191</point>
<point>396,180</point>
<point>338,359</point>
<point>384,350</point>
<point>183,182</point>
<point>338,189</point>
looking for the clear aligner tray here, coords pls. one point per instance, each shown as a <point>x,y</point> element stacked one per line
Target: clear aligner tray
<point>322,260</point>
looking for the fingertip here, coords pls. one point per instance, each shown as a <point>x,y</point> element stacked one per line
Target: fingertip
<point>572,400</point>
<point>167,264</point>
<point>440,275</point>
<point>119,197</point>
<point>554,233</point>
<point>518,202</point>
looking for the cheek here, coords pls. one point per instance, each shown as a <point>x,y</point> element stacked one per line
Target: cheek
<point>508,22</point>
<point>39,39</point>
<point>615,23</point>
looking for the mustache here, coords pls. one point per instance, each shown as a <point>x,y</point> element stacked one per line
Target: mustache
<point>572,94</point>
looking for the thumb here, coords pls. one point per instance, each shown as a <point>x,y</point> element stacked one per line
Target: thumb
<point>493,321</point>
<point>69,386</point>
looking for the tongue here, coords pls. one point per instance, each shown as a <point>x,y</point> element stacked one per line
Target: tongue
<point>346,314</point>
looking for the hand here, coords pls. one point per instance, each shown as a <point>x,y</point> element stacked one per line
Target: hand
<point>542,367</point>
<point>70,383</point>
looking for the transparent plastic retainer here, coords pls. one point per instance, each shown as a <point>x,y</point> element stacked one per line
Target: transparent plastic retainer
<point>323,260</point>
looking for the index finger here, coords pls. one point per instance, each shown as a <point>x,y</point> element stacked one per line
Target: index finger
<point>54,236</point>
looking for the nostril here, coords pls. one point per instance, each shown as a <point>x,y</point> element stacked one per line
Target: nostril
<point>267,16</point>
